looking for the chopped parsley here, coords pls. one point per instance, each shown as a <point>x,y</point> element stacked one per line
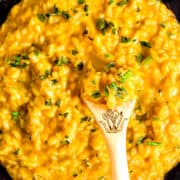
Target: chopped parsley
<point>65,14</point>
<point>61,61</point>
<point>19,61</point>
<point>80,66</point>
<point>146,44</point>
<point>143,60</point>
<point>36,52</point>
<point>121,92</point>
<point>93,130</point>
<point>81,1</point>
<point>163,25</point>
<point>113,86</point>
<point>139,58</point>
<point>86,162</point>
<point>85,118</point>
<point>101,178</point>
<point>54,81</point>
<point>94,82</point>
<point>106,91</point>
<point>55,11</point>
<point>109,66</point>
<point>107,55</point>
<point>74,52</point>
<point>140,140</point>
<point>66,140</point>
<point>15,115</point>
<point>86,7</point>
<point>41,17</point>
<point>17,152</point>
<point>48,102</point>
<point>153,143</point>
<point>114,31</point>
<point>74,174</point>
<point>122,3</point>
<point>125,39</point>
<point>110,2</point>
<point>64,114</point>
<point>147,60</point>
<point>96,94</point>
<point>101,24</point>
<point>58,103</point>
<point>124,77</point>
<point>46,75</point>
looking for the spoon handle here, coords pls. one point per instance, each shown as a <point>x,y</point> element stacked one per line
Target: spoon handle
<point>113,123</point>
<point>116,144</point>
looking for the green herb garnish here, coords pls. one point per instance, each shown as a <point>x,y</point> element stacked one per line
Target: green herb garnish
<point>86,162</point>
<point>121,92</point>
<point>153,143</point>
<point>125,39</point>
<point>109,66</point>
<point>46,75</point>
<point>81,1</point>
<point>113,86</point>
<point>147,60</point>
<point>36,52</point>
<point>101,24</point>
<point>54,81</point>
<point>64,114</point>
<point>106,92</point>
<point>66,140</point>
<point>65,14</point>
<point>124,77</point>
<point>96,94</point>
<point>122,3</point>
<point>140,140</point>
<point>163,25</point>
<point>86,118</point>
<point>80,66</point>
<point>114,31</point>
<point>145,44</point>
<point>86,7</point>
<point>101,178</point>
<point>17,152</point>
<point>58,103</point>
<point>15,115</point>
<point>93,130</point>
<point>139,58</point>
<point>48,102</point>
<point>41,17</point>
<point>74,174</point>
<point>110,2</point>
<point>61,61</point>
<point>19,61</point>
<point>74,52</point>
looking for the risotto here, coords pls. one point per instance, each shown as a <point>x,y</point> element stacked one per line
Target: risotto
<point>47,46</point>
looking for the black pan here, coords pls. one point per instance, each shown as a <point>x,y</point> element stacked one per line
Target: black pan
<point>174,5</point>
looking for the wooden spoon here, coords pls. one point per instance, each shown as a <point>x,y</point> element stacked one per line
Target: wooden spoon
<point>113,123</point>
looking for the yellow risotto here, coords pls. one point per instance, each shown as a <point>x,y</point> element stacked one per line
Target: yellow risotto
<point>46,50</point>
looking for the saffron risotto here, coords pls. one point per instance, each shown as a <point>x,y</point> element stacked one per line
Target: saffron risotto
<point>46,48</point>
